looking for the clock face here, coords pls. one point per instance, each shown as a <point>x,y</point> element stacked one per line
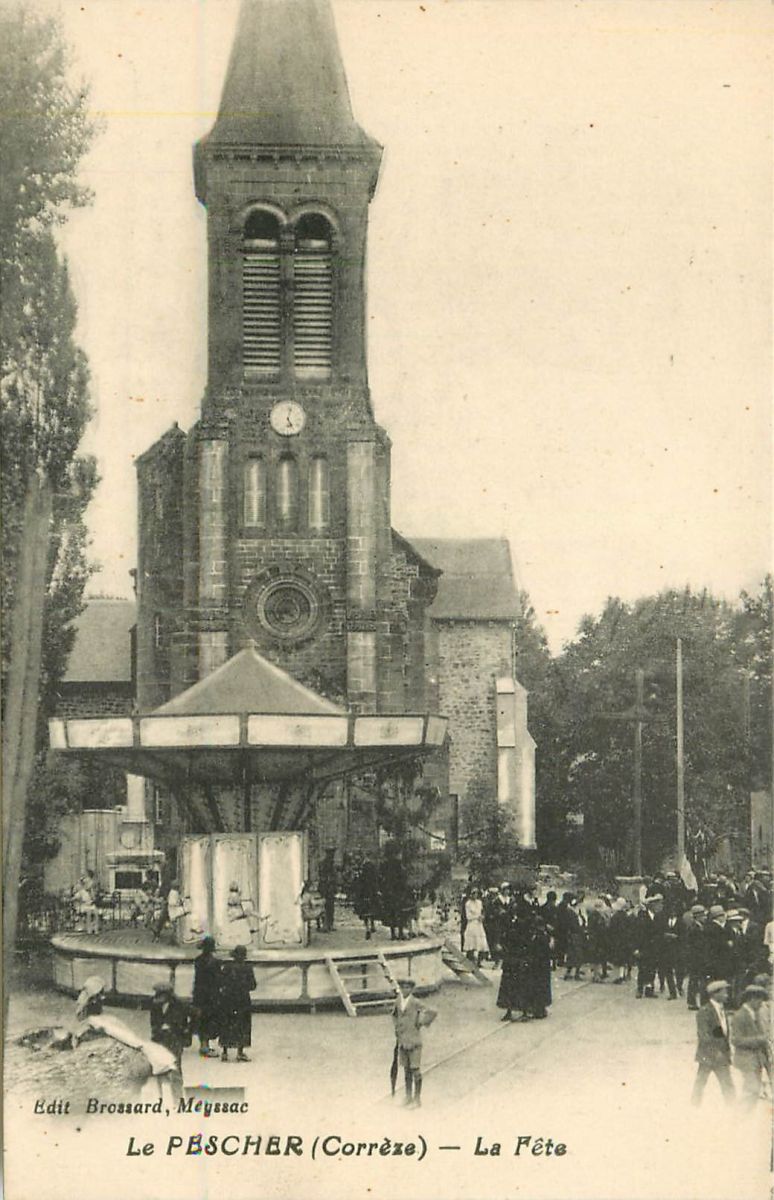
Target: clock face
<point>287,418</point>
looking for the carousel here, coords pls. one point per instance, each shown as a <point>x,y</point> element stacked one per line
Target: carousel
<point>245,753</point>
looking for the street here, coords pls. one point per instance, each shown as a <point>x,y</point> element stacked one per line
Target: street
<point>606,1077</point>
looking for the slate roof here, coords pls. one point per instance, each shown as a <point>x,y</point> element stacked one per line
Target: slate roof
<point>247,683</point>
<point>477,583</point>
<point>103,646</point>
<point>285,84</point>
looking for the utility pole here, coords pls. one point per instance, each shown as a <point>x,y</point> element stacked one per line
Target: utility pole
<point>680,758</point>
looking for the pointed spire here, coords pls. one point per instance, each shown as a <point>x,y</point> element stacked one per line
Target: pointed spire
<point>285,84</point>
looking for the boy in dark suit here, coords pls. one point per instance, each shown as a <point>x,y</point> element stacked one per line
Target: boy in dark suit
<point>713,1052</point>
<point>409,1018</point>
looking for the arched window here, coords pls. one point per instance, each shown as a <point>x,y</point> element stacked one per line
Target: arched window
<point>312,297</point>
<point>287,492</point>
<point>254,494</point>
<point>319,494</point>
<point>261,308</point>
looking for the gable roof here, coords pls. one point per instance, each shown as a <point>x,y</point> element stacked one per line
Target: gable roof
<point>247,683</point>
<point>102,652</point>
<point>477,583</point>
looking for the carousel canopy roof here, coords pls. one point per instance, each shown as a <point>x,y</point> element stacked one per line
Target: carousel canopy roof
<point>248,683</point>
<point>248,721</point>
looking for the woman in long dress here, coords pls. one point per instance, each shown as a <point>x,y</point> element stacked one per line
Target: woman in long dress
<point>237,982</point>
<point>538,969</point>
<point>474,942</point>
<point>206,996</point>
<point>514,991</point>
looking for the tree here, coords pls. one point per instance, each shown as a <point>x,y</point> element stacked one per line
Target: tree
<point>753,646</point>
<point>44,402</point>
<point>538,672</point>
<point>594,681</point>
<point>45,130</point>
<point>489,844</point>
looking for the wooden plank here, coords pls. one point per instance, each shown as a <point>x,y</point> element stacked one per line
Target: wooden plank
<point>388,971</point>
<point>458,963</point>
<point>340,988</point>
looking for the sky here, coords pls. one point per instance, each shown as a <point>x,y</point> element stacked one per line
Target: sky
<point>569,274</point>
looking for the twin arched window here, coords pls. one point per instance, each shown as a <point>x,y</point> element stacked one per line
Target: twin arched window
<point>286,494</point>
<point>287,295</point>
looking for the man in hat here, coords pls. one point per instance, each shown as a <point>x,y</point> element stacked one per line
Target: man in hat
<point>751,947</point>
<point>409,1018</point>
<point>713,1051</point>
<point>646,944</point>
<point>751,1046</point>
<point>170,1021</point>
<point>694,949</point>
<point>719,957</point>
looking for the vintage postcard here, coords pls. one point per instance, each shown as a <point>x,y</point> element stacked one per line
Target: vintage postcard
<point>387,607</point>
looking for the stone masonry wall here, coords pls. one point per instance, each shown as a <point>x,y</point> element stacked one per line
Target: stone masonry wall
<point>471,655</point>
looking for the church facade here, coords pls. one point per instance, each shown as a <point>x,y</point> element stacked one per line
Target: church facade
<point>266,527</point>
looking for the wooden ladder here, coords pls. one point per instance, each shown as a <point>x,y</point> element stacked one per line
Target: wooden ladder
<point>456,961</point>
<point>348,971</point>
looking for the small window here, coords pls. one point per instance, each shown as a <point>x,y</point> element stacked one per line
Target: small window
<point>261,282</point>
<point>312,297</point>
<point>159,807</point>
<point>254,500</point>
<point>319,494</point>
<point>287,492</point>
<point>158,632</point>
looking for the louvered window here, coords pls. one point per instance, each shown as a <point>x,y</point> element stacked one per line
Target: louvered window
<point>261,308</point>
<point>312,298</point>
<point>254,504</point>
<point>319,494</point>
<point>287,492</point>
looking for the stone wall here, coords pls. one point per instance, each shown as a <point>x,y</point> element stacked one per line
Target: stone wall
<point>471,656</point>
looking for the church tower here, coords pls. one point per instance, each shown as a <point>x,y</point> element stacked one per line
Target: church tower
<point>283,540</point>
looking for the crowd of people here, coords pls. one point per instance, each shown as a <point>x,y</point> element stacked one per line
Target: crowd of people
<point>669,939</point>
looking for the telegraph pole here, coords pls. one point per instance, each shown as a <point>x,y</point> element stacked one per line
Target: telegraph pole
<point>680,757</point>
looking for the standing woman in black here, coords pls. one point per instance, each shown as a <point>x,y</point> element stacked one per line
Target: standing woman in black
<point>206,997</point>
<point>513,985</point>
<point>237,982</point>
<point>538,962</point>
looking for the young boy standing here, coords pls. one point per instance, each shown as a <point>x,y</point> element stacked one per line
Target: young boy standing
<point>409,1018</point>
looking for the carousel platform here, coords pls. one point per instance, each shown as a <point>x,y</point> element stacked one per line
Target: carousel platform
<point>130,962</point>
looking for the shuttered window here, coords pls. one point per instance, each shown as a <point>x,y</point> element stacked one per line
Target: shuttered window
<point>287,294</point>
<point>312,298</point>
<point>254,499</point>
<point>261,308</point>
<point>319,494</point>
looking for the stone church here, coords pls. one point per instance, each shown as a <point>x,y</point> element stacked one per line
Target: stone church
<point>268,568</point>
